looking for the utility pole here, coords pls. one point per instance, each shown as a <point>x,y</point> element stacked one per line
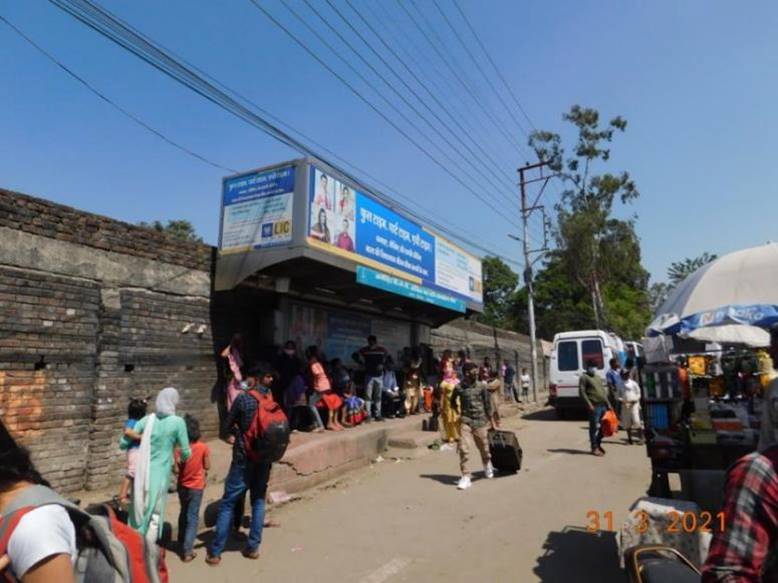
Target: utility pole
<point>526,212</point>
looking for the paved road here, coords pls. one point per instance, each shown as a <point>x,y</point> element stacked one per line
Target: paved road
<point>406,521</point>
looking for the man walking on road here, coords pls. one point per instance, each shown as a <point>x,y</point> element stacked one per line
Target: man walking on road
<point>471,398</point>
<point>613,378</point>
<point>373,358</point>
<point>593,392</point>
<point>244,474</point>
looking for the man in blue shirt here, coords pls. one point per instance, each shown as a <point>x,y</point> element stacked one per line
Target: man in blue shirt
<point>613,378</point>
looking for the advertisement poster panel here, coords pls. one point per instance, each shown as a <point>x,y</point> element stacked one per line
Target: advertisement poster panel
<point>356,226</point>
<point>257,210</point>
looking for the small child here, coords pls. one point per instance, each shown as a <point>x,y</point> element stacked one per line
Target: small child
<point>353,406</point>
<point>192,475</point>
<point>136,411</point>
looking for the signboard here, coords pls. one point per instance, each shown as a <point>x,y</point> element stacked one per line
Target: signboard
<point>352,224</point>
<point>408,289</point>
<point>257,210</point>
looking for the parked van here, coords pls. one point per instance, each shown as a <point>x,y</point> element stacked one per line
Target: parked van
<point>569,356</point>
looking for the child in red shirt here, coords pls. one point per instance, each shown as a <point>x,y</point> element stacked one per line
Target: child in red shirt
<point>192,476</point>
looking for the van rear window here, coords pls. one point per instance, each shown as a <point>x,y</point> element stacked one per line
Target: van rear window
<point>592,350</point>
<point>567,356</point>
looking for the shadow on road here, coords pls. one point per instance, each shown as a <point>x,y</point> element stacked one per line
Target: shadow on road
<point>570,451</point>
<point>578,556</point>
<point>446,479</point>
<point>542,415</point>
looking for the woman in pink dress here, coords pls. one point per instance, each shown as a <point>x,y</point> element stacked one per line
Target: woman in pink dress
<point>234,356</point>
<point>344,241</point>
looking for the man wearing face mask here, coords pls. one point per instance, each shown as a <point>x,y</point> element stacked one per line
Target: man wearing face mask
<point>592,390</point>
<point>289,366</point>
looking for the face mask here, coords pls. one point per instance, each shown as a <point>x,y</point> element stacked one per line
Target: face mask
<point>590,371</point>
<point>244,386</point>
<point>289,351</point>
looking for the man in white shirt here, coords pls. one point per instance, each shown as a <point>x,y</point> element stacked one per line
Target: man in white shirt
<point>525,380</point>
<point>629,397</point>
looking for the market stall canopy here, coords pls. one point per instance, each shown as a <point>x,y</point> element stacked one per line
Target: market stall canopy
<point>737,289</point>
<point>733,334</point>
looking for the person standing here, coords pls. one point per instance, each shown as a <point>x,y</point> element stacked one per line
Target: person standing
<point>413,382</point>
<point>235,357</point>
<point>509,380</point>
<point>592,390</point>
<point>289,366</point>
<point>244,474</point>
<point>613,379</point>
<point>472,401</point>
<point>448,412</point>
<point>373,358</point>
<point>192,476</point>
<point>485,373</point>
<point>525,381</point>
<point>322,389</point>
<point>768,433</point>
<point>160,434</point>
<point>629,396</point>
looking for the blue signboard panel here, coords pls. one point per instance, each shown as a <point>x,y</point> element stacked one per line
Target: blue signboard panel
<point>257,210</point>
<point>395,285</point>
<point>353,224</point>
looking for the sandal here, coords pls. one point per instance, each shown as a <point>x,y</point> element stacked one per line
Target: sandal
<point>212,560</point>
<point>189,558</point>
<point>253,555</point>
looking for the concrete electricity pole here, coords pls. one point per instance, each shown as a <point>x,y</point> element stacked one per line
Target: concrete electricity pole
<point>526,212</point>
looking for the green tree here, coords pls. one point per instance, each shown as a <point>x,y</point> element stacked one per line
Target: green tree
<point>180,229</point>
<point>680,270</point>
<point>500,283</point>
<point>599,252</point>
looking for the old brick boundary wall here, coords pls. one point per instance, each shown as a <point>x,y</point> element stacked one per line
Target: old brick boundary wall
<point>91,313</point>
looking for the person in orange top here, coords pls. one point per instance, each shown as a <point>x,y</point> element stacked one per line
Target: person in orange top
<point>322,389</point>
<point>192,475</point>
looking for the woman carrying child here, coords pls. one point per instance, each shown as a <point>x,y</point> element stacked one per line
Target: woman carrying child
<point>322,389</point>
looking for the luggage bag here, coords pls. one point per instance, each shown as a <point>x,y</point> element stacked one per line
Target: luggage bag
<point>505,450</point>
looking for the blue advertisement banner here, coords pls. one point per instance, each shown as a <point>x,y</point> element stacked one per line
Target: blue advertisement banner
<point>395,285</point>
<point>257,210</point>
<point>388,238</point>
<point>760,315</point>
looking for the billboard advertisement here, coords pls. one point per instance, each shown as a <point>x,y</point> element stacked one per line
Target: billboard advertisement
<point>257,210</point>
<point>354,225</point>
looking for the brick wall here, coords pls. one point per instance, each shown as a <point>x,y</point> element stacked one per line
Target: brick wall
<point>91,314</point>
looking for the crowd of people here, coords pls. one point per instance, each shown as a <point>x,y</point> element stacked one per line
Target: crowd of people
<point>164,452</point>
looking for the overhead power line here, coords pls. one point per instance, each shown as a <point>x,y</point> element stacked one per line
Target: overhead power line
<point>423,85</point>
<point>388,83</point>
<point>109,101</point>
<point>122,34</point>
<point>494,65</point>
<point>479,68</point>
<point>456,74</point>
<point>378,111</point>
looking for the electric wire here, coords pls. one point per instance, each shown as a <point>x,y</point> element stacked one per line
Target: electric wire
<point>122,34</point>
<point>378,111</point>
<point>108,100</point>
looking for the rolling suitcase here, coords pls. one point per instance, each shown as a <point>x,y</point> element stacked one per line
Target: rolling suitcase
<point>505,450</point>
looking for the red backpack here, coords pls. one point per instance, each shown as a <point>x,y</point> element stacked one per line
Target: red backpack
<point>109,551</point>
<point>268,435</point>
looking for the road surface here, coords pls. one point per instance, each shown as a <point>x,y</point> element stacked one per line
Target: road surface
<point>406,521</point>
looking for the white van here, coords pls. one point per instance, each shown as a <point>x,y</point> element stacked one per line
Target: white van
<point>568,360</point>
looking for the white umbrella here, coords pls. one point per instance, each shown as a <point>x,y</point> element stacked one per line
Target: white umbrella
<point>733,334</point>
<point>739,288</point>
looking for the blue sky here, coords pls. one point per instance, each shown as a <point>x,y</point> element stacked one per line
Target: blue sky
<point>695,79</point>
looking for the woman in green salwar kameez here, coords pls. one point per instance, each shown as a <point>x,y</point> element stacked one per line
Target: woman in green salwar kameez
<point>162,432</point>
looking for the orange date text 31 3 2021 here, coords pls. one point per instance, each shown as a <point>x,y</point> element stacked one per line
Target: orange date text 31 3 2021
<point>676,523</point>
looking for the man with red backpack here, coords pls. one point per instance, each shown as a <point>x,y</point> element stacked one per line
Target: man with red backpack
<point>261,436</point>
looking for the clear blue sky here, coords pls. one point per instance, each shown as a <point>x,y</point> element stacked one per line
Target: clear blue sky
<point>695,79</point>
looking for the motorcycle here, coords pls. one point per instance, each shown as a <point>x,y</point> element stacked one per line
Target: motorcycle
<point>659,564</point>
